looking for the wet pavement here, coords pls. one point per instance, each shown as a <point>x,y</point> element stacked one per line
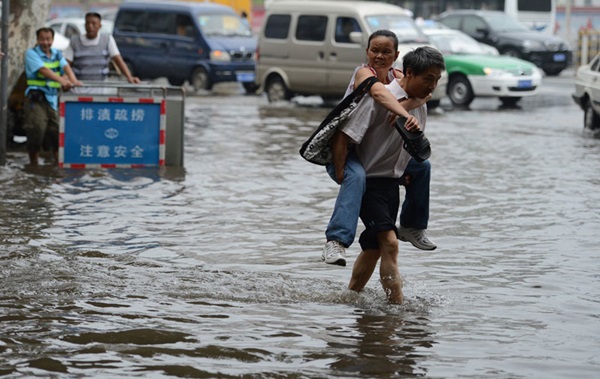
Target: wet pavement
<point>213,271</point>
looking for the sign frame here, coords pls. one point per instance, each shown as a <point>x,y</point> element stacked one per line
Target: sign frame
<point>96,103</point>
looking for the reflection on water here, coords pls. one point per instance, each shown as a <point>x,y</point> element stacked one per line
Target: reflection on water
<point>213,270</point>
<point>387,345</point>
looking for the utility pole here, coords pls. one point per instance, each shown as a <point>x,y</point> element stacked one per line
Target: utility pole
<point>4,82</point>
<point>568,19</point>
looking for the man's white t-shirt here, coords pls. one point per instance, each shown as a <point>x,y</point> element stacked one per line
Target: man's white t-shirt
<point>378,145</point>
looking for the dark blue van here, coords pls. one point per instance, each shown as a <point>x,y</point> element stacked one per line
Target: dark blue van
<point>202,43</point>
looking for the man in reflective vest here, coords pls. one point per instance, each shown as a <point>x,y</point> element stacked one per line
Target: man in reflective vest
<point>44,67</point>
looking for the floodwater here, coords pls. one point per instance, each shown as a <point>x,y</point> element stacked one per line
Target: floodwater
<point>214,271</point>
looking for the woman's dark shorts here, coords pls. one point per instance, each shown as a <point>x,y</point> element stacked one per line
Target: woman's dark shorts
<point>379,209</point>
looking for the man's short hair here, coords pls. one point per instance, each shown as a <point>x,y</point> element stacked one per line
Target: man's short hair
<point>44,30</point>
<point>422,58</point>
<point>93,14</point>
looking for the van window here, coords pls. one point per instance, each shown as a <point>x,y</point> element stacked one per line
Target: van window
<point>343,27</point>
<point>130,21</point>
<point>278,26</point>
<point>405,27</point>
<point>155,23</point>
<point>311,28</point>
<point>223,25</point>
<point>185,25</point>
<point>160,23</point>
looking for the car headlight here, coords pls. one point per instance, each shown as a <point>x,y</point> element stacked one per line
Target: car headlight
<point>533,45</point>
<point>494,72</point>
<point>220,55</point>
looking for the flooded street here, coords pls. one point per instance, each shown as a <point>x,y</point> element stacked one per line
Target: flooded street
<point>214,271</point>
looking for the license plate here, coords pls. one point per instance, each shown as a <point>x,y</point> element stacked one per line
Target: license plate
<point>560,57</point>
<point>245,77</point>
<point>525,84</point>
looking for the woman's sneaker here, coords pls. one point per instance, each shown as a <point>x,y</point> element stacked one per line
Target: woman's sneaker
<point>418,238</point>
<point>334,253</point>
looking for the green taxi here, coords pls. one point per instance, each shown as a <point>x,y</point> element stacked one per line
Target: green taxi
<point>477,70</point>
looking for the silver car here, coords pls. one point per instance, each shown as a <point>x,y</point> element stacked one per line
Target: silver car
<point>73,26</point>
<point>587,92</point>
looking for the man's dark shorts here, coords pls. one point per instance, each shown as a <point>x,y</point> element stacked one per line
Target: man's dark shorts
<point>379,209</point>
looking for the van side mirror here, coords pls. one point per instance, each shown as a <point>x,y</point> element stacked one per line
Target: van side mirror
<point>356,37</point>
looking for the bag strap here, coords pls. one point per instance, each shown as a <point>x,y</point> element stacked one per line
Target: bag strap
<point>356,95</point>
<point>364,87</point>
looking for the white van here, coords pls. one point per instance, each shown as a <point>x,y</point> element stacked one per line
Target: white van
<point>311,47</point>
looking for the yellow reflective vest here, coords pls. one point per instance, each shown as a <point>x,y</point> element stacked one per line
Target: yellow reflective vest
<point>42,81</point>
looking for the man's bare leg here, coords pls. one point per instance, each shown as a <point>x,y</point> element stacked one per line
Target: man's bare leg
<point>388,269</point>
<point>33,158</point>
<point>363,269</point>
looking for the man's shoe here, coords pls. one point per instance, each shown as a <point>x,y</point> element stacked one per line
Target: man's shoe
<point>334,253</point>
<point>418,238</point>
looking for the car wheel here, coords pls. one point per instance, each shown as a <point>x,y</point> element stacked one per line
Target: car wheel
<point>200,80</point>
<point>250,88</point>
<point>509,101</point>
<point>432,104</point>
<point>176,82</point>
<point>553,71</point>
<point>591,119</point>
<point>277,90</point>
<point>460,91</point>
<point>512,53</point>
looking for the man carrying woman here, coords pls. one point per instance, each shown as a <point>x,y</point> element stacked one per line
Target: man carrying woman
<point>414,217</point>
<point>377,147</point>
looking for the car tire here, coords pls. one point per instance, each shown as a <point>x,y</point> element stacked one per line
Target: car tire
<point>591,119</point>
<point>460,91</point>
<point>176,82</point>
<point>509,101</point>
<point>277,90</point>
<point>553,71</point>
<point>432,104</point>
<point>200,80</point>
<point>512,52</point>
<point>250,88</point>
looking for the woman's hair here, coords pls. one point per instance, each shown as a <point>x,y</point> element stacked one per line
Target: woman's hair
<point>421,59</point>
<point>384,33</point>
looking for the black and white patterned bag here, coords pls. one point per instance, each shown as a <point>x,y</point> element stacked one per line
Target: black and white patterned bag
<point>317,149</point>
